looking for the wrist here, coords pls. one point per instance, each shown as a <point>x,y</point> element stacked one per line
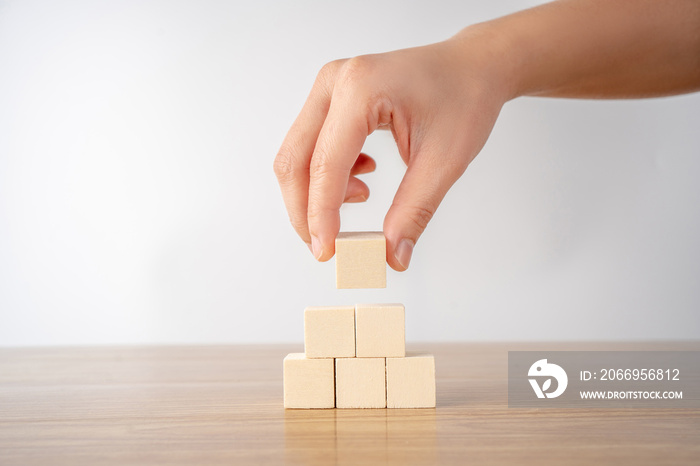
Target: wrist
<point>490,49</point>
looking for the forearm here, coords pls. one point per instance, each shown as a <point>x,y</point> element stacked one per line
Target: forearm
<point>598,48</point>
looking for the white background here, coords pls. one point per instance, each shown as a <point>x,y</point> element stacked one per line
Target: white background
<point>138,203</point>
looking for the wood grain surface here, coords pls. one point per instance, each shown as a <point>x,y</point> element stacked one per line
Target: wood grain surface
<point>223,405</point>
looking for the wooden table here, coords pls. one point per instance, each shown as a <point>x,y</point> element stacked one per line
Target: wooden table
<point>223,405</point>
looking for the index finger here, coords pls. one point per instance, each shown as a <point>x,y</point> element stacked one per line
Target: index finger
<point>293,159</point>
<point>340,141</point>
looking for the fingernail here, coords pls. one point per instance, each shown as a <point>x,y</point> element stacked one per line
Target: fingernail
<point>316,248</point>
<point>358,198</point>
<point>404,251</point>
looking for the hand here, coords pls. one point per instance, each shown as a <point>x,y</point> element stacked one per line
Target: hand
<point>440,102</point>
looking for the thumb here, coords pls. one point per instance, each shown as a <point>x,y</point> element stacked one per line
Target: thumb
<point>422,189</point>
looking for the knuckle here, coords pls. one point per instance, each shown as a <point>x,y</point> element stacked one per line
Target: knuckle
<point>323,164</point>
<point>363,84</point>
<point>330,69</point>
<point>421,216</point>
<point>357,69</point>
<point>319,161</point>
<point>316,212</point>
<point>283,166</point>
<point>300,226</point>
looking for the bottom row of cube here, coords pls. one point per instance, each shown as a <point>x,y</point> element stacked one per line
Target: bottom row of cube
<point>407,382</point>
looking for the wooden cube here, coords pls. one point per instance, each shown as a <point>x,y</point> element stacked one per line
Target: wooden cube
<point>329,332</point>
<point>360,260</point>
<point>360,383</point>
<point>380,331</point>
<point>308,383</point>
<point>410,381</point>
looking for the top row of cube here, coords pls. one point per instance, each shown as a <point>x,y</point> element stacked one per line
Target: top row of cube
<point>360,260</point>
<point>362,331</point>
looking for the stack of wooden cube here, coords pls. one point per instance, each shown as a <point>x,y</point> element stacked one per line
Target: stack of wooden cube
<point>355,356</point>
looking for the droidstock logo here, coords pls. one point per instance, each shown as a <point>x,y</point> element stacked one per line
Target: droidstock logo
<point>546,371</point>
